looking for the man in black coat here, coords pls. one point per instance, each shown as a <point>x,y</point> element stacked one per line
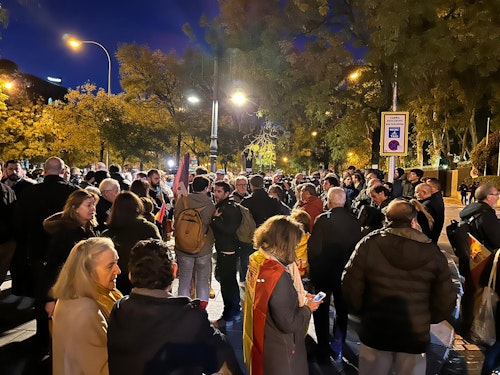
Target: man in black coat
<point>152,332</point>
<point>262,207</point>
<point>486,228</point>
<point>226,220</point>
<point>399,283</point>
<point>334,236</point>
<point>34,205</point>
<point>260,204</point>
<point>424,195</point>
<point>15,176</point>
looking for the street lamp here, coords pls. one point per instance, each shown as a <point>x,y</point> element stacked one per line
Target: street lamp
<point>75,43</point>
<point>215,117</point>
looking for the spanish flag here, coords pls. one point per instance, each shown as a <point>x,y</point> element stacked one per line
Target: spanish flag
<point>262,276</point>
<point>479,256</point>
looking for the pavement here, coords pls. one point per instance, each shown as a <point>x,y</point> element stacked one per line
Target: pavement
<point>449,353</point>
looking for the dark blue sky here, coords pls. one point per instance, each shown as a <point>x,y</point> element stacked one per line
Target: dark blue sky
<point>33,38</point>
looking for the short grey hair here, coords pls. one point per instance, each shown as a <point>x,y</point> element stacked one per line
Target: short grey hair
<point>108,184</point>
<point>336,197</point>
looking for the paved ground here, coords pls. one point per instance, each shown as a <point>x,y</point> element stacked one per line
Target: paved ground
<point>17,327</point>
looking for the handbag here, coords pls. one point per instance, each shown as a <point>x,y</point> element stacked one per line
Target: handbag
<point>483,325</point>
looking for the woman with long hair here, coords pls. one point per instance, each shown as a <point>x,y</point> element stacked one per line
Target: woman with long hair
<point>76,222</point>
<point>275,323</point>
<point>126,227</point>
<point>85,293</point>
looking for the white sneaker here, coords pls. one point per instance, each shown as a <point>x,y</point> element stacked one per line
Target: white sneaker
<point>12,298</point>
<point>26,303</point>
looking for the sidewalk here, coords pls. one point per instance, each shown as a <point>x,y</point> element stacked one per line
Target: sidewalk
<point>16,328</point>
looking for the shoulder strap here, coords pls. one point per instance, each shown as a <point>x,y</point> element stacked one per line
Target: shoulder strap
<point>186,204</point>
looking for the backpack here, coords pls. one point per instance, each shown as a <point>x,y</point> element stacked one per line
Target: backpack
<point>458,235</point>
<point>189,233</point>
<point>245,231</point>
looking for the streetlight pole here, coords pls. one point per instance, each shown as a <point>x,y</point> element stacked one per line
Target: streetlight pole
<point>76,43</point>
<point>392,159</point>
<point>215,117</point>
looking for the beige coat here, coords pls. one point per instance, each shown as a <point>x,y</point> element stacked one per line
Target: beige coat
<point>79,341</point>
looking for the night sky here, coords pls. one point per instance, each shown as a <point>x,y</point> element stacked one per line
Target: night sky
<point>33,38</point>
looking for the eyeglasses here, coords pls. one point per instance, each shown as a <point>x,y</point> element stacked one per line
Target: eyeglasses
<point>497,194</point>
<point>241,184</point>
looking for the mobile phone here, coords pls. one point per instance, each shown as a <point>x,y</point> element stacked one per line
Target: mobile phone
<point>318,297</point>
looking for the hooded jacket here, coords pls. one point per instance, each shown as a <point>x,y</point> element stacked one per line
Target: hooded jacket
<point>198,200</point>
<point>399,283</point>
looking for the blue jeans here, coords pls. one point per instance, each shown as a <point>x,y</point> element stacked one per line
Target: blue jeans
<point>199,268</point>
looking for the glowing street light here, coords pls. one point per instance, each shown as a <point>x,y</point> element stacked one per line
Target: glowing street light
<point>76,43</point>
<point>239,98</point>
<point>355,75</point>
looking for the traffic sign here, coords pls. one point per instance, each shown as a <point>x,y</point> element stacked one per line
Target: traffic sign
<point>394,134</point>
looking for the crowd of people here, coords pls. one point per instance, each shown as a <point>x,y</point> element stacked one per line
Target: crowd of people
<point>76,245</point>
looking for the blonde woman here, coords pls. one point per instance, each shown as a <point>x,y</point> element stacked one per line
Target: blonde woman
<point>85,293</point>
<point>274,321</point>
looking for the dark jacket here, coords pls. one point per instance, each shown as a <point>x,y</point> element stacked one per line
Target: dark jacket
<point>21,185</point>
<point>225,226</point>
<point>7,205</point>
<point>150,333</point>
<point>333,238</point>
<point>34,205</point>
<point>399,282</point>
<point>435,206</point>
<point>64,234</point>
<point>124,183</point>
<point>102,211</point>
<point>486,227</point>
<point>261,206</point>
<point>124,238</point>
<point>237,197</point>
<point>286,324</point>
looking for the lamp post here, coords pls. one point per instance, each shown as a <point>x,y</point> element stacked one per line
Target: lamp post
<point>75,43</point>
<point>215,117</point>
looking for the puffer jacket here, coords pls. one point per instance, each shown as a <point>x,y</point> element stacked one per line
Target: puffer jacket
<point>399,283</point>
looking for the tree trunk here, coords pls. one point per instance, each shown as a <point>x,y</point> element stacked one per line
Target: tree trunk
<point>464,145</point>
<point>420,152</point>
<point>472,127</point>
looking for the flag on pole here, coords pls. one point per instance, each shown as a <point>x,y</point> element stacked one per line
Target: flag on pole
<point>181,178</point>
<point>160,215</point>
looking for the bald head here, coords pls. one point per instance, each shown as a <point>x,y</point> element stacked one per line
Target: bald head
<point>423,191</point>
<point>400,213</point>
<point>53,166</point>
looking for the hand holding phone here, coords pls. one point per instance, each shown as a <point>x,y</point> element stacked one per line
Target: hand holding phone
<point>318,297</point>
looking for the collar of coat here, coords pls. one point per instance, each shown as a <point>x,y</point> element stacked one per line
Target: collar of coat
<point>410,233</point>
